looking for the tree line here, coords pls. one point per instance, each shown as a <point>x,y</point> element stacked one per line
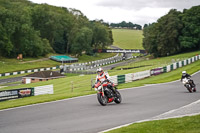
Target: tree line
<point>38,29</point>
<point>125,24</point>
<point>173,33</point>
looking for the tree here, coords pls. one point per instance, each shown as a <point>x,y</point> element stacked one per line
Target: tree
<point>101,36</point>
<point>37,29</point>
<point>162,38</point>
<point>145,25</point>
<point>190,38</point>
<point>7,28</point>
<point>150,39</point>
<point>169,27</point>
<point>82,41</point>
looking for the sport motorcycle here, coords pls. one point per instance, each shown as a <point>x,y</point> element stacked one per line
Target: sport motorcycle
<point>107,93</point>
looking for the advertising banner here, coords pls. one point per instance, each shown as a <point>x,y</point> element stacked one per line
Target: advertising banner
<point>119,51</point>
<point>25,92</point>
<point>17,93</point>
<point>141,75</point>
<point>9,94</point>
<point>41,90</point>
<point>156,71</point>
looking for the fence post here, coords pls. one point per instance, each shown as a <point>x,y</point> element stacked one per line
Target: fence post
<point>72,83</point>
<point>91,83</point>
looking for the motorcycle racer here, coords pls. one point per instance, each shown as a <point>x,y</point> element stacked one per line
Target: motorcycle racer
<point>102,76</point>
<point>185,75</point>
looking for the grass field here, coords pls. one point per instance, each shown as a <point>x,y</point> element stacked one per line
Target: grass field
<point>127,39</point>
<point>82,84</point>
<point>12,65</point>
<point>178,125</point>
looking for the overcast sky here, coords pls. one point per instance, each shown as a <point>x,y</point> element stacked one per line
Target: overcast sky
<point>135,11</point>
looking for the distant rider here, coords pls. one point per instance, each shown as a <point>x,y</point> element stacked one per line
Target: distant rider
<point>185,75</point>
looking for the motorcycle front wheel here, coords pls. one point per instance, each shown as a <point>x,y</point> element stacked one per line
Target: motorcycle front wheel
<point>189,88</point>
<point>118,97</point>
<point>103,100</point>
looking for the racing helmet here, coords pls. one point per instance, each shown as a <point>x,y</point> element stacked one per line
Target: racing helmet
<point>183,72</point>
<point>100,71</point>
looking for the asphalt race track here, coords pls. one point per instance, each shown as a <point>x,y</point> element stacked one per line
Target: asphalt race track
<point>10,80</point>
<point>86,115</point>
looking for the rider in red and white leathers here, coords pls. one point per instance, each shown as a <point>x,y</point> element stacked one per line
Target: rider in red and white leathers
<point>102,76</point>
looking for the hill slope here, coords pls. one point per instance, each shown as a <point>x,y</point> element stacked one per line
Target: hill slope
<point>128,39</point>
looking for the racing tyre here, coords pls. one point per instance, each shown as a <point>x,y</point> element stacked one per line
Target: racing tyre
<point>118,97</point>
<point>103,100</point>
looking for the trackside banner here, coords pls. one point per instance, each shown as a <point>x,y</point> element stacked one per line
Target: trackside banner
<point>17,93</point>
<point>141,75</point>
<point>119,51</point>
<point>156,71</point>
<point>25,92</point>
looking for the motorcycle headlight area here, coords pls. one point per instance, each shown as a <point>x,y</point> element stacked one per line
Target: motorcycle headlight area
<point>185,81</point>
<point>98,88</point>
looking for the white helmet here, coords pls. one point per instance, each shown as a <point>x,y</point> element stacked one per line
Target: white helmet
<point>183,72</point>
<point>99,69</point>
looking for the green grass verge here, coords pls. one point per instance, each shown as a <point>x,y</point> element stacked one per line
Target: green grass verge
<point>82,85</point>
<point>13,65</point>
<point>176,125</point>
<point>128,39</point>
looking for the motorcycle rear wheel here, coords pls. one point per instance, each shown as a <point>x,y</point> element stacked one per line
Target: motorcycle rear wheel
<point>103,100</point>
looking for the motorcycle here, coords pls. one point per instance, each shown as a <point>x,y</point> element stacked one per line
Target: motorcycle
<point>105,94</point>
<point>188,84</point>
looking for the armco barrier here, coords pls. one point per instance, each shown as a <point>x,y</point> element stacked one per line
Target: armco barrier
<point>90,65</point>
<point>180,64</point>
<point>114,79</point>
<point>28,71</point>
<point>165,69</point>
<point>141,75</point>
<point>128,77</point>
<point>120,79</point>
